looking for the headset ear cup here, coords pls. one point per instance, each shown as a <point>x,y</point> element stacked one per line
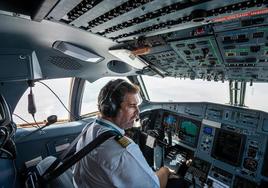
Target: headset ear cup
<point>110,108</point>
<point>113,109</point>
<point>105,109</point>
<point>107,106</point>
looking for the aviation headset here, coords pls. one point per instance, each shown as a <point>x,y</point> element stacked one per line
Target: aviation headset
<point>107,105</point>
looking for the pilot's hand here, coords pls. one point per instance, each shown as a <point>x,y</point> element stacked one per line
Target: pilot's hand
<point>171,173</point>
<point>166,170</point>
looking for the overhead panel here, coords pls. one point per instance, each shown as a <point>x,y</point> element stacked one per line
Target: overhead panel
<point>61,9</point>
<point>162,17</point>
<point>122,19</point>
<point>235,49</point>
<point>198,51</point>
<point>200,54</point>
<point>245,51</point>
<point>134,16</point>
<point>180,15</point>
<point>169,61</point>
<point>209,39</point>
<point>98,13</point>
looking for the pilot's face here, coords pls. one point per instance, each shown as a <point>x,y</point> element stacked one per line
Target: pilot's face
<point>129,111</point>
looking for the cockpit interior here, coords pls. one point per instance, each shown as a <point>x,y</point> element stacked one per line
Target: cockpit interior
<point>188,40</point>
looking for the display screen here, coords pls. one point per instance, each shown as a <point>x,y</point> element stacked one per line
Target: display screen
<point>207,130</point>
<point>169,120</point>
<point>188,131</point>
<point>169,123</point>
<point>228,146</point>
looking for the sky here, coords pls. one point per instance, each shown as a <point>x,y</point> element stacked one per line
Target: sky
<point>159,89</point>
<point>176,90</point>
<point>46,103</point>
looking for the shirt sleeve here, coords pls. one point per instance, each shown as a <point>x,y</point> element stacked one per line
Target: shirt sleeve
<point>133,171</point>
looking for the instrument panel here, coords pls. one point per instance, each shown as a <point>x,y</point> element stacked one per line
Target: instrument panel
<point>234,50</point>
<point>227,144</point>
<point>183,129</point>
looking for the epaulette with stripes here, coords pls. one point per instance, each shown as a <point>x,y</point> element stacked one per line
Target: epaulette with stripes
<point>122,140</point>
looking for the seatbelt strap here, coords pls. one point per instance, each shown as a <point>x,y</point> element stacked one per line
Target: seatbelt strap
<point>67,151</point>
<point>52,166</point>
<point>79,155</point>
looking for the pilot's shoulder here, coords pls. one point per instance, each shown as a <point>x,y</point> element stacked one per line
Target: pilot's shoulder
<point>122,140</point>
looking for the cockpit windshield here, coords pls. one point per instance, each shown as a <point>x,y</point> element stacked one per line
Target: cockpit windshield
<point>171,89</point>
<point>256,96</point>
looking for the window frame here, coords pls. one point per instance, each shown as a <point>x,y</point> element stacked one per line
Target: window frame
<point>78,90</point>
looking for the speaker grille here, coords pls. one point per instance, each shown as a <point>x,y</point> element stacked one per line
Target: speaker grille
<point>65,63</point>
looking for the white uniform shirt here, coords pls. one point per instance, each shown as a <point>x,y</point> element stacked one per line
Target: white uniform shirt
<point>111,165</point>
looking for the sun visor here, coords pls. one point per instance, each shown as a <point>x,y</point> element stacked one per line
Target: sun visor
<point>129,58</point>
<point>23,60</point>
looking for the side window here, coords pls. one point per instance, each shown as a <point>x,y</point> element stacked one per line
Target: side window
<point>46,102</point>
<point>91,92</point>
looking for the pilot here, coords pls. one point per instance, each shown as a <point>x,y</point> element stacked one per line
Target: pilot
<point>116,163</point>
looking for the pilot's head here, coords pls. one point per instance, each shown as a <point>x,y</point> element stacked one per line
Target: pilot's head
<point>118,102</point>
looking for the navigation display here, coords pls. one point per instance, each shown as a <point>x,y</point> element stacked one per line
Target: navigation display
<point>228,146</point>
<point>169,124</point>
<point>188,131</point>
<point>169,120</point>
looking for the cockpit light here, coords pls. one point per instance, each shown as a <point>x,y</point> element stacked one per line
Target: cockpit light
<point>76,52</point>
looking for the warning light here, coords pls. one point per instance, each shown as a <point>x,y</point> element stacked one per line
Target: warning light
<point>199,31</point>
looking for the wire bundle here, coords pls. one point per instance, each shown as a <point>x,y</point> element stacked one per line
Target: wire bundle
<point>7,145</point>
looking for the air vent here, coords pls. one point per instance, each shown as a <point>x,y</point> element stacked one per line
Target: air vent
<point>119,66</point>
<point>65,63</point>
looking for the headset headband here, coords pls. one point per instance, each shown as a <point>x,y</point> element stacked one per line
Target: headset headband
<point>110,93</point>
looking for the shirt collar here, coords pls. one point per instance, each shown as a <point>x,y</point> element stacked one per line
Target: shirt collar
<point>122,131</point>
